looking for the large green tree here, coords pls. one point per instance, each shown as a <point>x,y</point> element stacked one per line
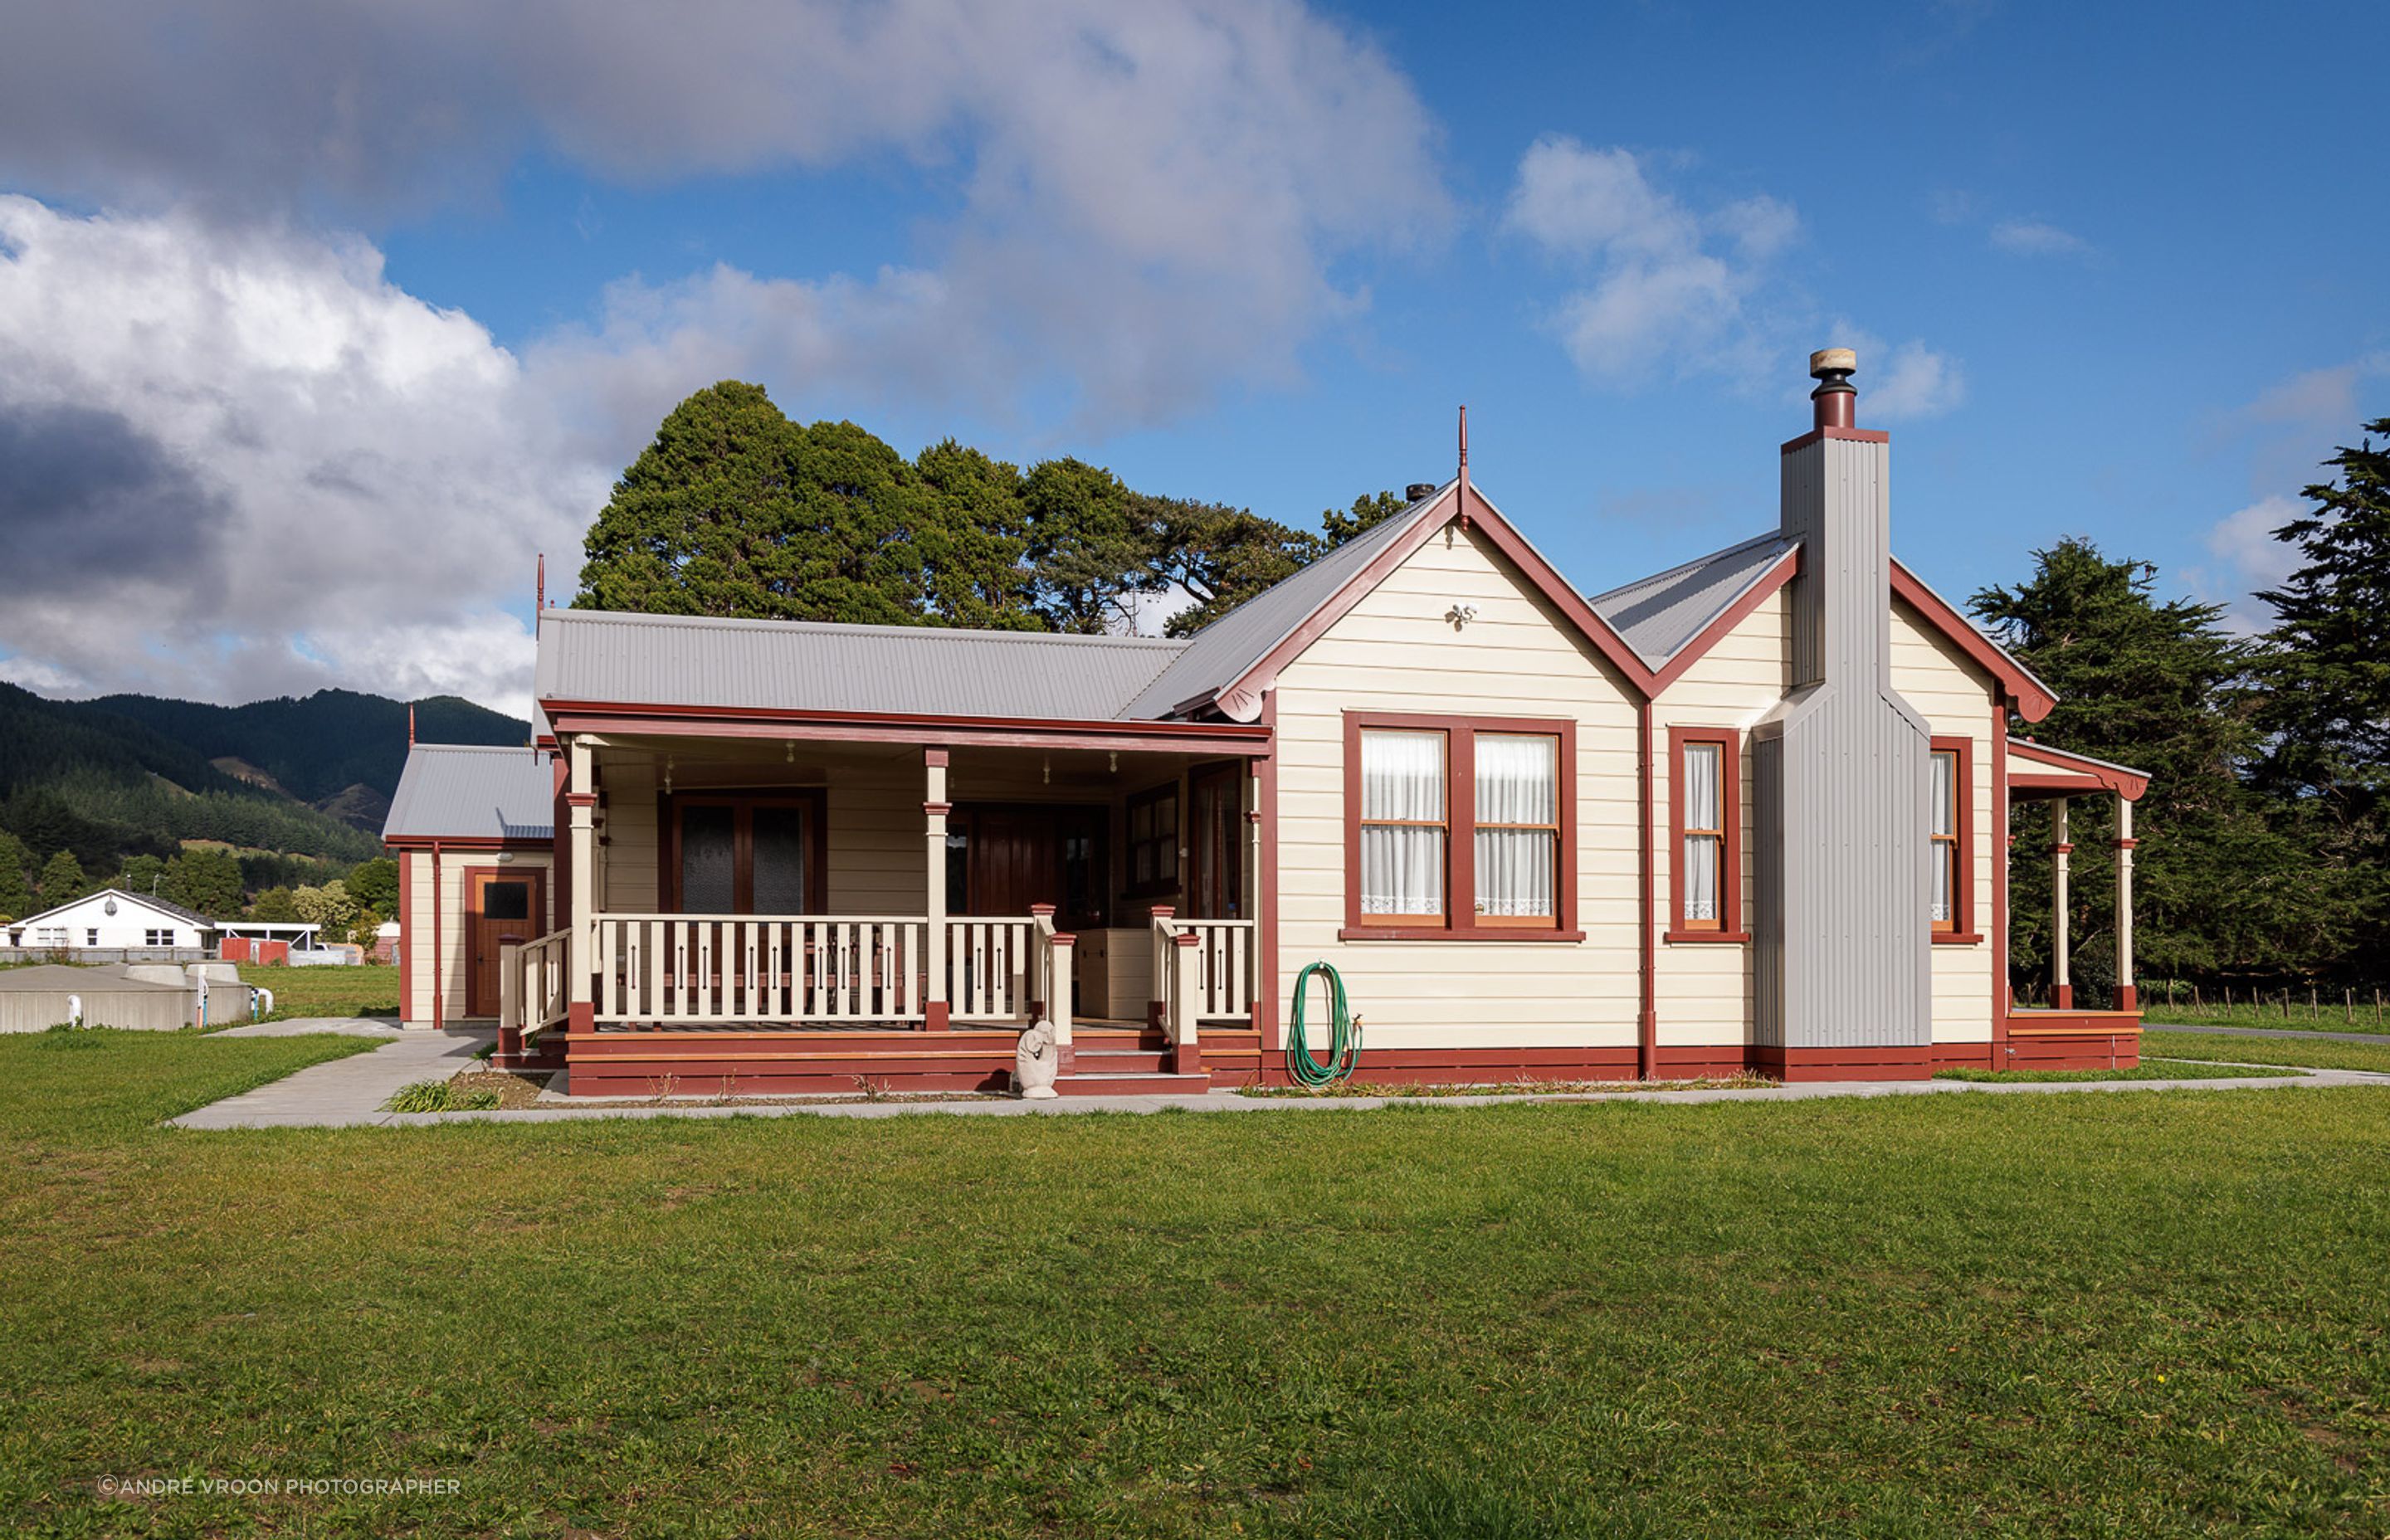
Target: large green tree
<point>375,884</point>
<point>16,893</point>
<point>735,510</point>
<point>63,880</point>
<point>206,879</point>
<point>2325,668</point>
<point>2160,686</point>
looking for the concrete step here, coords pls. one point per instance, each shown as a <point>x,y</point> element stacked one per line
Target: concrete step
<point>1114,1061</point>
<point>1131,1082</point>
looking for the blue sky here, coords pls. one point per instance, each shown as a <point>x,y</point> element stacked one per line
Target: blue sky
<point>2111,272</point>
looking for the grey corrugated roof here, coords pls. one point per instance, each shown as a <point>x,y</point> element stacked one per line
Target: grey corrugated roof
<point>1661,613</point>
<point>1220,653</point>
<point>804,666</point>
<point>472,792</point>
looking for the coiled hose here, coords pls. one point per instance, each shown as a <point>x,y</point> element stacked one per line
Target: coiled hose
<point>1344,1033</point>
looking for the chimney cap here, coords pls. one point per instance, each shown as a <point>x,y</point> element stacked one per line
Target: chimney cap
<point>1418,490</point>
<point>1828,361</point>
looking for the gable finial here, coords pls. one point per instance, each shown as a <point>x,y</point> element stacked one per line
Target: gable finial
<point>1463,475</point>
<point>539,596</point>
<point>410,723</point>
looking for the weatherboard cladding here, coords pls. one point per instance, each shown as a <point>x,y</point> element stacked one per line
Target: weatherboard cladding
<point>807,666</point>
<point>1227,649</point>
<point>469,791</point>
<point>1661,614</point>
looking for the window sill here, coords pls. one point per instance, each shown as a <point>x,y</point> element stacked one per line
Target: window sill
<point>1427,932</point>
<point>1699,938</point>
<point>1958,938</point>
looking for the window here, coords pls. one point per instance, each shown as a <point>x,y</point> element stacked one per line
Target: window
<point>1153,840</point>
<point>751,855</point>
<point>1704,835</point>
<point>1455,828</point>
<point>1518,814</point>
<point>91,937</point>
<point>1949,784</point>
<point>1402,829</point>
<point>49,935</point>
<point>156,938</point>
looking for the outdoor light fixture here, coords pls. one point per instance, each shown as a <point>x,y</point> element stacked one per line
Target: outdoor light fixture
<point>109,906</point>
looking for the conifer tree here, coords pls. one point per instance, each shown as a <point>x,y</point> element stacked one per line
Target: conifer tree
<point>63,880</point>
<point>16,897</point>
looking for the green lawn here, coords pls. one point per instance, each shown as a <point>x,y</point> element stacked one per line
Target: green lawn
<point>2145,1071</point>
<point>2327,1011</point>
<point>2113,1314</point>
<point>371,988</point>
<point>2311,1053</point>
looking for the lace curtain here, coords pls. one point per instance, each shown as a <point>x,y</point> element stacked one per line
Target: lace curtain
<point>1401,819</point>
<point>1702,852</point>
<point>1517,783</point>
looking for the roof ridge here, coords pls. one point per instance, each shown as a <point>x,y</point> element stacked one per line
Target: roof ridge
<point>1687,566</point>
<point>984,633</point>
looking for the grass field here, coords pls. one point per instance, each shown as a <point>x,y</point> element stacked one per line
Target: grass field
<point>2114,1315</point>
<point>2323,1010</point>
<point>371,988</point>
<point>2214,1047</point>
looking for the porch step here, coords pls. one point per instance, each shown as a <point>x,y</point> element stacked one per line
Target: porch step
<point>1131,1082</point>
<point>1111,1060</point>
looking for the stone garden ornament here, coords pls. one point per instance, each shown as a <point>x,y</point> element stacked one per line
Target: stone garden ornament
<point>1035,1063</point>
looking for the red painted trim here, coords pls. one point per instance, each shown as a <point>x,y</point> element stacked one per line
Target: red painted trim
<point>1729,744</point>
<point>2074,771</point>
<point>407,935</point>
<point>1461,919</point>
<point>1647,1014</point>
<point>935,759</point>
<point>936,810</point>
<point>2032,701</point>
<point>597,717</point>
<point>2129,998</point>
<point>1788,566</point>
<point>1962,908</point>
<point>2127,844</point>
<point>1883,1061</point>
<point>1266,1011</point>
<point>1462,502</point>
<point>1854,435</point>
<point>1998,923</point>
<point>2062,996</point>
<point>1958,938</point>
<point>439,899</point>
<point>447,841</point>
<point>581,799</point>
<point>1705,938</point>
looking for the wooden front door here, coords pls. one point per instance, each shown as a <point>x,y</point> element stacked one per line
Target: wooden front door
<point>501,905</point>
<point>1215,844</point>
<point>1014,856</point>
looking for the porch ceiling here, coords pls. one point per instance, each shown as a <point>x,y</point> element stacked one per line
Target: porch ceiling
<point>974,772</point>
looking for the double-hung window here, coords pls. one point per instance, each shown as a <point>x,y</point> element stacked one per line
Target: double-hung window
<point>1949,784</point>
<point>1705,834</point>
<point>1457,826</point>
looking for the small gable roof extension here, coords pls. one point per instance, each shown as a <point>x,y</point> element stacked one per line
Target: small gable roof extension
<point>472,791</point>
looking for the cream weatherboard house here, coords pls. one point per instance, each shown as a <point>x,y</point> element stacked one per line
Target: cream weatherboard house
<point>1750,813</point>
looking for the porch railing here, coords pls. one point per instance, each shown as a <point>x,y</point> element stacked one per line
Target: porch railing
<point>719,969</point>
<point>532,978</point>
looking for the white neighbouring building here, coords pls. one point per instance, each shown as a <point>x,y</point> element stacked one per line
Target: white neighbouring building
<point>114,920</point>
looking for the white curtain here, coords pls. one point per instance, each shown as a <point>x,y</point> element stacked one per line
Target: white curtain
<point>1402,863</point>
<point>1517,783</point>
<point>1945,823</point>
<point>1702,852</point>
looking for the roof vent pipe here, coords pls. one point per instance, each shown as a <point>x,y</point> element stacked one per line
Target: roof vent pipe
<point>1836,402</point>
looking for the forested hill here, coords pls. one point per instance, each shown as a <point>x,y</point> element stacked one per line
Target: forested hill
<point>131,775</point>
<point>318,748</point>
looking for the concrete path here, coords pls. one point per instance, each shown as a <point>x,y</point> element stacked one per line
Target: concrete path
<point>2380,1037</point>
<point>308,1026</point>
<point>345,1093</point>
<point>351,1092</point>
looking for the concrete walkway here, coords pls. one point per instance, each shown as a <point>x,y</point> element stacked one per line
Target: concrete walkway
<point>350,1093</point>
<point>346,1092</point>
<point>2380,1037</point>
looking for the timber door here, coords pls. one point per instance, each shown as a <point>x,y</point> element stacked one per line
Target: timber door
<point>1215,844</point>
<point>1014,856</point>
<point>501,905</point>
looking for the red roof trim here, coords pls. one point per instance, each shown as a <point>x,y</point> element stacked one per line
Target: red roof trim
<point>1856,435</point>
<point>599,716</point>
<point>2032,702</point>
<point>2076,769</point>
<point>1787,566</point>
<point>464,842</point>
<point>1460,502</point>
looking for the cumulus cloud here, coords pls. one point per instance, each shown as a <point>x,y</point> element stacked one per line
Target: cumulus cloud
<point>240,462</point>
<point>1669,282</point>
<point>1138,208</point>
<point>2248,560</point>
<point>2033,238</point>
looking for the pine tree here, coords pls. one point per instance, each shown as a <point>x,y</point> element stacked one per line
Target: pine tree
<point>63,880</point>
<point>2159,687</point>
<point>16,897</point>
<point>205,879</point>
<point>2325,666</point>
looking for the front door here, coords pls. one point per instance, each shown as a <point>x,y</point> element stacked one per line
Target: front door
<point>1215,844</point>
<point>500,906</point>
<point>1013,856</point>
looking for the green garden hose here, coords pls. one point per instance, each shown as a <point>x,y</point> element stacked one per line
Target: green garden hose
<point>1344,1033</point>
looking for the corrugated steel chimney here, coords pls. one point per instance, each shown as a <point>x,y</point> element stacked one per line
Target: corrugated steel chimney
<point>1838,771</point>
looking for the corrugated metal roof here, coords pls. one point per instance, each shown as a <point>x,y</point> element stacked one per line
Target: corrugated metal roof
<point>158,905</point>
<point>470,791</point>
<point>804,666</point>
<point>1220,653</point>
<point>1658,615</point>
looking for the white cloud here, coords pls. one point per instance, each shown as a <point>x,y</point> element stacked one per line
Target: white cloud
<point>1668,294</point>
<point>288,472</point>
<point>303,475</point>
<point>1915,381</point>
<point>2248,559</point>
<point>2032,238</point>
